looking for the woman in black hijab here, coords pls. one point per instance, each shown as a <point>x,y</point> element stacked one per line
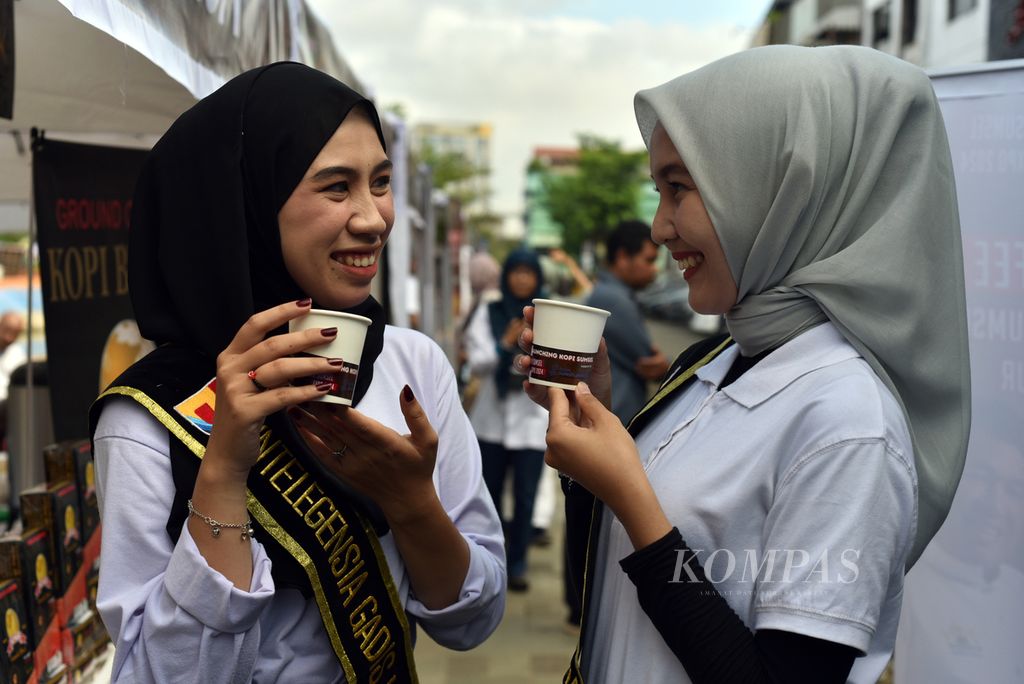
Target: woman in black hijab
<point>284,539</point>
<point>509,426</point>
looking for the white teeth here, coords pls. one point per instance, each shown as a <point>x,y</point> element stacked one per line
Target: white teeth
<point>691,261</point>
<point>360,261</point>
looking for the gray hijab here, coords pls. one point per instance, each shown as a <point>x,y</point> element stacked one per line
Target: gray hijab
<point>827,175</point>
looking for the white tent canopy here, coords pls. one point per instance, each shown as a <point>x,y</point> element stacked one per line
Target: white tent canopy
<point>120,71</point>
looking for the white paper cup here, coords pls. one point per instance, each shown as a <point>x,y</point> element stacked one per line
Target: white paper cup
<point>565,340</point>
<point>347,345</point>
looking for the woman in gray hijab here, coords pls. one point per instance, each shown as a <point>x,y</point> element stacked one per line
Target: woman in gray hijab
<point>768,500</point>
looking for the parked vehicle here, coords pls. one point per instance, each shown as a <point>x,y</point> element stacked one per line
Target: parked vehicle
<point>667,298</point>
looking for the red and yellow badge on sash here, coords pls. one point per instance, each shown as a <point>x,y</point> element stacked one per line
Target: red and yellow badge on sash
<point>199,408</point>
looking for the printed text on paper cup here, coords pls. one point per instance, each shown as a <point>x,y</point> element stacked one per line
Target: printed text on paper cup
<point>343,383</point>
<point>557,365</point>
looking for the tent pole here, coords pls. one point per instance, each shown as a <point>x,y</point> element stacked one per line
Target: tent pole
<point>29,441</point>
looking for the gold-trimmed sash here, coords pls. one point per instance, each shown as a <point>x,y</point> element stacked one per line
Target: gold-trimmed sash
<point>336,547</point>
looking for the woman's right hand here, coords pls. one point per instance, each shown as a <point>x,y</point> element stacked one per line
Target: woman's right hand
<point>253,361</point>
<point>600,381</point>
<point>253,380</point>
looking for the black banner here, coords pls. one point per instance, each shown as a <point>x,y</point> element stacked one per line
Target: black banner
<point>83,202</point>
<point>6,59</point>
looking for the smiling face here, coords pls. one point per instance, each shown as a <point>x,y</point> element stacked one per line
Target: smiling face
<point>682,224</point>
<point>336,221</point>
<point>522,281</point>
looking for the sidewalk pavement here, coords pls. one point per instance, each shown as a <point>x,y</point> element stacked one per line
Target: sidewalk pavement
<point>530,645</point>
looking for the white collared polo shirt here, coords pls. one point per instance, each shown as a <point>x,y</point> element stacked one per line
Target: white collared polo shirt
<point>796,487</point>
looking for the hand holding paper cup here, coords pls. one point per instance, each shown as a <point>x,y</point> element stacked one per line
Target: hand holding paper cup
<point>565,340</point>
<point>347,345</point>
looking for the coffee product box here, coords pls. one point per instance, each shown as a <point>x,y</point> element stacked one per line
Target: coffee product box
<point>74,594</point>
<point>52,669</point>
<point>55,508</point>
<point>81,638</point>
<point>15,645</point>
<point>72,461</point>
<point>28,559</point>
<point>16,672</point>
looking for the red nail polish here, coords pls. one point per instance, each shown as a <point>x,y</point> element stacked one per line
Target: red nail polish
<point>328,332</point>
<point>324,386</point>
<point>303,303</point>
<point>336,362</point>
<point>407,394</point>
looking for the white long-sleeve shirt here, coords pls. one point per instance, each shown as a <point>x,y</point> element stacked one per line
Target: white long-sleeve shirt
<point>175,619</point>
<point>11,357</point>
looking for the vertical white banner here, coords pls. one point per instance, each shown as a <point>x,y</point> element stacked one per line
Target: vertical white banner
<point>963,609</point>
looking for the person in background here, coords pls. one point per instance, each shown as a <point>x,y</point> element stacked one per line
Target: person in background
<point>508,424</point>
<point>630,256</point>
<point>484,280</point>
<point>484,283</point>
<point>580,285</point>
<point>12,355</point>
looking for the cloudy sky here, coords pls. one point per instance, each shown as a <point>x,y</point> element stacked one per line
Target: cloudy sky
<point>540,71</point>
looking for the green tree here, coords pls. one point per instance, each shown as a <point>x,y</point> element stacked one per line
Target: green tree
<point>601,192</point>
<point>452,172</point>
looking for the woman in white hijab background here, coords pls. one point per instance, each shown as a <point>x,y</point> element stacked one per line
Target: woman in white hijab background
<point>766,503</point>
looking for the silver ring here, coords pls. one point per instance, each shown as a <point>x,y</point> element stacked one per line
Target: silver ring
<point>338,453</point>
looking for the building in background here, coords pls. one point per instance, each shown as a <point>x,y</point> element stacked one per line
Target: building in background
<point>472,143</point>
<point>939,33</point>
<point>541,230</point>
<point>811,22</point>
<point>929,33</point>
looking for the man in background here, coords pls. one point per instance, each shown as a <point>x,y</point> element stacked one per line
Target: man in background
<point>630,255</point>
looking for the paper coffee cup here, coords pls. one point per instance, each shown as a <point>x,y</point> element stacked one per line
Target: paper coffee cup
<point>347,345</point>
<point>565,341</point>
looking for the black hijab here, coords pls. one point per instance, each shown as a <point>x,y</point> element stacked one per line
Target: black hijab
<point>205,248</point>
<point>510,307</point>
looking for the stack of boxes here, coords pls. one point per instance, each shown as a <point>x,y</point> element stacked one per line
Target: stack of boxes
<point>54,565</point>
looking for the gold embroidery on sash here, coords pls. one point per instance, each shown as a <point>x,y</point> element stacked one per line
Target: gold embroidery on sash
<point>382,561</point>
<point>160,414</point>
<point>268,523</point>
<point>346,558</point>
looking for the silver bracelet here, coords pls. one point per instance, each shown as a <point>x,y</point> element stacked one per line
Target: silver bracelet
<point>216,525</point>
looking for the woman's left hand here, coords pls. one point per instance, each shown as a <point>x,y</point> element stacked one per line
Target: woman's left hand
<point>596,451</point>
<point>395,471</point>
<point>588,443</point>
